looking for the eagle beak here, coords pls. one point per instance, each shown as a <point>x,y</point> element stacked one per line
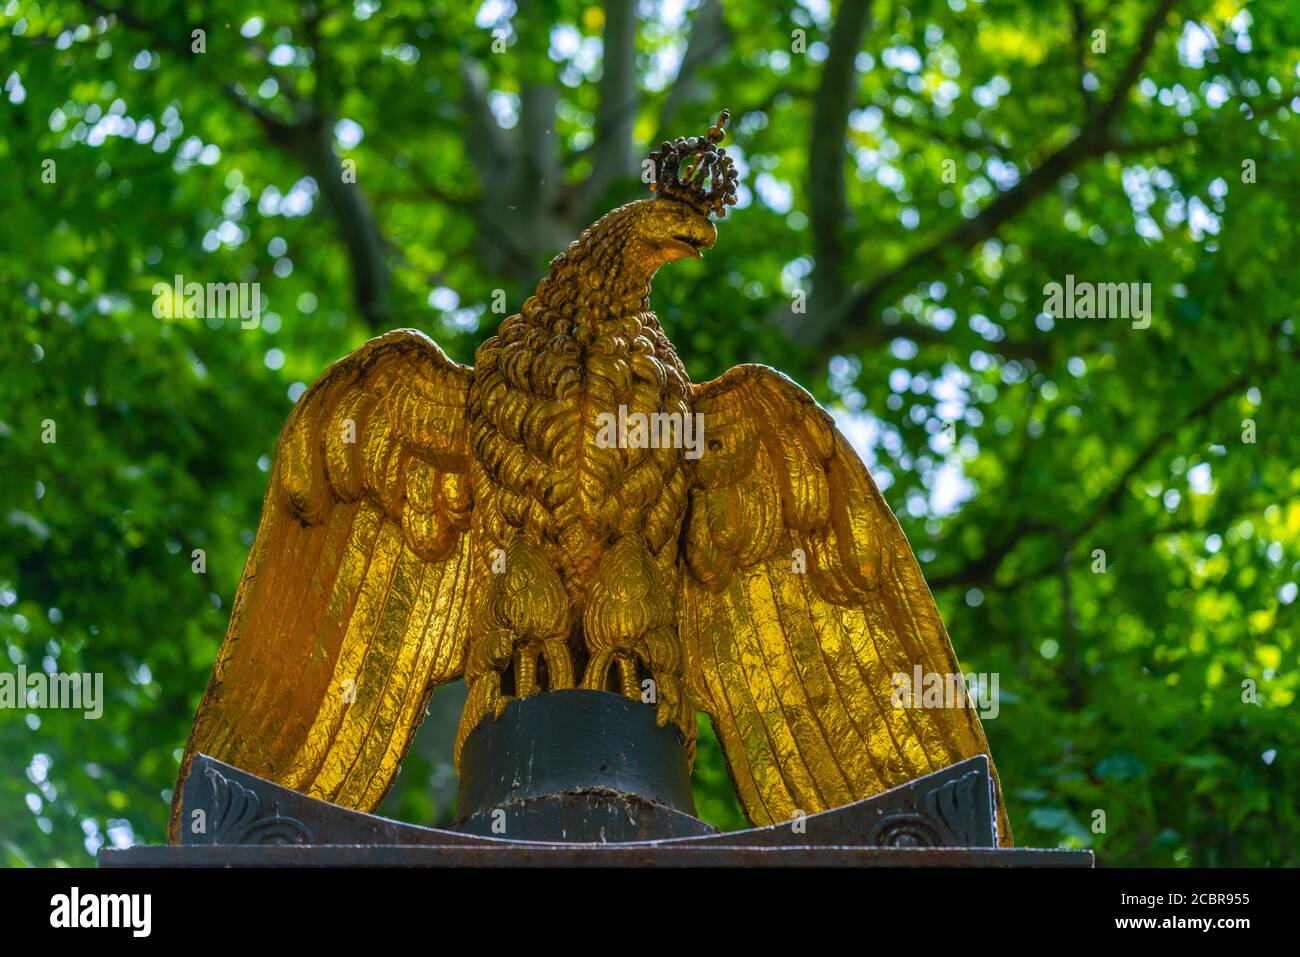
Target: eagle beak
<point>699,236</point>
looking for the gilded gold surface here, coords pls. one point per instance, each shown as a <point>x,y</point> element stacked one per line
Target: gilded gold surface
<point>426,521</point>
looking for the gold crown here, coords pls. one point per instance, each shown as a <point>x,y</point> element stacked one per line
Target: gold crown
<point>696,171</point>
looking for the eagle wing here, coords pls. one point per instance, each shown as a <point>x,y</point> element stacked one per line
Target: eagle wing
<point>354,600</point>
<point>801,602</point>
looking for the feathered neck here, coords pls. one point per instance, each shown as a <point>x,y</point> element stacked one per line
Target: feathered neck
<point>595,278</point>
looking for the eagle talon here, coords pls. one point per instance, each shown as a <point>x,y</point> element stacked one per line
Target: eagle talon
<point>526,671</point>
<point>667,700</point>
<point>597,673</point>
<point>628,676</point>
<point>485,698</point>
<point>559,664</point>
<point>559,667</point>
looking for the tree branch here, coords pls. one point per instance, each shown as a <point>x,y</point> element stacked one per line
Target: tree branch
<point>1070,652</point>
<point>309,139</point>
<point>313,145</point>
<point>836,329</point>
<point>957,138</point>
<point>983,570</point>
<point>885,332</point>
<point>486,143</point>
<point>1112,499</point>
<point>827,202</point>
<point>1114,105</point>
<point>618,98</point>
<point>1078,34</point>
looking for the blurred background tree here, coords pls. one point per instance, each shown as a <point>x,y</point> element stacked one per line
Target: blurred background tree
<point>1109,515</point>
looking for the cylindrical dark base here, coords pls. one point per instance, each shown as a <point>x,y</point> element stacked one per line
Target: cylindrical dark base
<point>580,766</point>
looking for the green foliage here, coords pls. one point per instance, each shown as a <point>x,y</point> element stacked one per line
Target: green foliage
<point>989,150</point>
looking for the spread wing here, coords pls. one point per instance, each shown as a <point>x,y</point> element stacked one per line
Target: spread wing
<point>353,603</point>
<point>801,602</point>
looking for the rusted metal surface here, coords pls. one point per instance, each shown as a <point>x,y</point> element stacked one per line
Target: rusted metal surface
<point>589,815</point>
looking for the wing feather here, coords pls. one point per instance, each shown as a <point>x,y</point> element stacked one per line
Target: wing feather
<point>801,601</point>
<point>352,603</point>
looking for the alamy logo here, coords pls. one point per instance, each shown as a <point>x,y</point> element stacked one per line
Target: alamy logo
<point>1099,300</point>
<point>938,689</point>
<point>656,430</point>
<point>134,911</point>
<point>213,300</point>
<point>61,690</point>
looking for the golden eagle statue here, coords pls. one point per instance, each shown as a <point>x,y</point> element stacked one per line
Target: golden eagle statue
<point>425,521</point>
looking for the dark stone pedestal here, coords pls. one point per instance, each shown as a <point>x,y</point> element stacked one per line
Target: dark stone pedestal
<point>577,766</point>
<point>584,779</point>
<point>521,854</point>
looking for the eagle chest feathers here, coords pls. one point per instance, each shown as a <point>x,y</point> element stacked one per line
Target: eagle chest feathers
<point>577,426</point>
